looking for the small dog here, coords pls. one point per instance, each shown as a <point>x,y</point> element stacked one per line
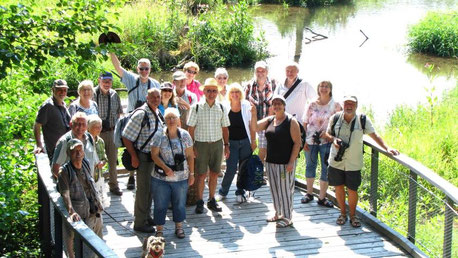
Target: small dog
<point>153,247</point>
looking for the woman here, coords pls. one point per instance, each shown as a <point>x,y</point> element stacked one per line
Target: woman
<point>84,102</point>
<point>94,127</point>
<point>221,77</point>
<point>191,69</point>
<point>283,146</point>
<point>242,139</point>
<point>167,97</point>
<point>172,153</point>
<point>316,120</point>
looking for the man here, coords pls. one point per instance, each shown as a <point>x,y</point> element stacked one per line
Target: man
<point>137,137</point>
<point>185,98</point>
<point>78,126</point>
<point>208,126</point>
<point>77,188</point>
<point>259,92</point>
<point>345,170</point>
<point>53,118</point>
<point>137,86</point>
<point>298,97</point>
<point>110,110</point>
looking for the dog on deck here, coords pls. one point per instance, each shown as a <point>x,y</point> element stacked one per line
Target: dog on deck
<point>153,247</point>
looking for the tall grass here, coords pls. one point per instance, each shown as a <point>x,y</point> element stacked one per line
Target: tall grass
<point>436,34</point>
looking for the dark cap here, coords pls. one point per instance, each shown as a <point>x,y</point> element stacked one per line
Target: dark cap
<point>106,75</point>
<point>59,83</point>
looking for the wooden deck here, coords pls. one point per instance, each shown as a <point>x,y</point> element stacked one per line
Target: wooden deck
<point>241,230</point>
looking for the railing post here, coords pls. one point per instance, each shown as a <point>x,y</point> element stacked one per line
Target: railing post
<point>78,242</point>
<point>374,182</point>
<point>58,233</point>
<point>412,207</point>
<point>44,219</point>
<point>448,228</point>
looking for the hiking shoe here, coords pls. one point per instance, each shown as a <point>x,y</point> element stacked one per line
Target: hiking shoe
<point>131,183</point>
<point>240,199</point>
<point>219,197</point>
<point>212,205</point>
<point>116,191</point>
<point>200,207</point>
<point>144,229</point>
<point>150,221</point>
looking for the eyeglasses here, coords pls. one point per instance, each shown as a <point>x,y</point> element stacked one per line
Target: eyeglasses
<point>171,118</point>
<point>211,91</point>
<point>221,78</point>
<point>325,86</point>
<point>191,71</point>
<point>143,68</point>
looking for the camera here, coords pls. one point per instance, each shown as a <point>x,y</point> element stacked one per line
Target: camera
<point>138,104</point>
<point>316,137</point>
<point>343,147</point>
<point>105,125</point>
<point>179,162</point>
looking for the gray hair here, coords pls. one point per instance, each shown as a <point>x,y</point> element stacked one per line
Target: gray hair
<point>144,60</point>
<point>85,83</point>
<point>221,71</point>
<point>292,64</point>
<point>93,120</point>
<point>77,115</point>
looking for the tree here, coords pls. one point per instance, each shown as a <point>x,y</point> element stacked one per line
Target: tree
<point>30,35</point>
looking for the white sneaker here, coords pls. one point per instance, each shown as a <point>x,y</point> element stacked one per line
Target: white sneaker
<point>240,199</point>
<point>219,197</point>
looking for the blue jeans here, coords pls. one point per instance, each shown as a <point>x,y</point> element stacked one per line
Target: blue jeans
<point>163,192</point>
<point>311,159</point>
<point>239,150</point>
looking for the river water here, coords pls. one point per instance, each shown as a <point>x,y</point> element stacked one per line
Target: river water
<point>380,71</point>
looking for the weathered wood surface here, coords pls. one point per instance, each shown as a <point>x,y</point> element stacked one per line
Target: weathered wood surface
<point>241,230</point>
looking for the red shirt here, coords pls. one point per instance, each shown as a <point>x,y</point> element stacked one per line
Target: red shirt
<point>194,88</point>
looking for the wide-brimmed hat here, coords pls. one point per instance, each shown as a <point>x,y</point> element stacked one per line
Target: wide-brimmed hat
<point>109,37</point>
<point>210,82</point>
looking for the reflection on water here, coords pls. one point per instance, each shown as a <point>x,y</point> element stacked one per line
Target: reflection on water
<point>380,72</point>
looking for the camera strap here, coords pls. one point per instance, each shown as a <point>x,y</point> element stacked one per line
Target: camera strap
<point>352,126</point>
<point>170,143</point>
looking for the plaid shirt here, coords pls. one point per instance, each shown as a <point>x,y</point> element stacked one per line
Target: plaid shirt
<point>261,99</point>
<point>208,121</point>
<point>102,102</point>
<point>134,128</point>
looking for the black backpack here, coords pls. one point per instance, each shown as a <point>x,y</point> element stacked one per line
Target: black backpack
<point>121,124</point>
<point>251,172</point>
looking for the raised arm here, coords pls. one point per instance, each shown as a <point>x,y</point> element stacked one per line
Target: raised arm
<point>254,123</point>
<point>116,64</point>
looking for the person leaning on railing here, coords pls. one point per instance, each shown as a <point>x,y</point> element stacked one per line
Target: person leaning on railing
<point>78,191</point>
<point>174,171</point>
<point>346,158</point>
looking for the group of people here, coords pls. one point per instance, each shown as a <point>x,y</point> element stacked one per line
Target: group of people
<point>180,131</point>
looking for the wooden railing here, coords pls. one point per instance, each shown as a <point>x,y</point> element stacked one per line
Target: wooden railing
<point>416,170</point>
<point>52,213</point>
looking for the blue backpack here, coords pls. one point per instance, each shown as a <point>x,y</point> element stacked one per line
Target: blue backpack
<point>251,172</point>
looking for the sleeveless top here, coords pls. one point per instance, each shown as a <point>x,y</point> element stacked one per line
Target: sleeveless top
<point>279,142</point>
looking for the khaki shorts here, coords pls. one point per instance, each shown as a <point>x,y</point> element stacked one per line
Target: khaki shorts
<point>209,157</point>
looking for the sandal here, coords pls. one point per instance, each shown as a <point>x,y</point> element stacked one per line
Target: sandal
<point>355,222</point>
<point>179,232</point>
<point>307,198</point>
<point>283,223</point>
<point>341,219</point>
<point>325,202</point>
<point>273,219</point>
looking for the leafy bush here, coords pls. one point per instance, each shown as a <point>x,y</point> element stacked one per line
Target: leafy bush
<point>305,3</point>
<point>436,34</point>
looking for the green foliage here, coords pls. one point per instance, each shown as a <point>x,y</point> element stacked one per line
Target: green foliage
<point>436,34</point>
<point>304,3</point>
<point>32,34</point>
<point>224,37</point>
<point>18,197</point>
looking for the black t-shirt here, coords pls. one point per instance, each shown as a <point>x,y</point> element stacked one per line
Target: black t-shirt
<point>237,128</point>
<point>279,142</point>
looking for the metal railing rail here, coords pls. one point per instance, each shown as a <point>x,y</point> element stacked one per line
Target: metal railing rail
<point>416,170</point>
<point>47,196</point>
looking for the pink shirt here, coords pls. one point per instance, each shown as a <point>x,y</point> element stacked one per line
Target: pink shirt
<point>317,118</point>
<point>194,88</point>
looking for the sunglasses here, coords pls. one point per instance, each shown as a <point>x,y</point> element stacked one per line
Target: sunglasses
<point>167,90</point>
<point>191,72</point>
<point>221,78</point>
<point>212,91</point>
<point>143,68</point>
